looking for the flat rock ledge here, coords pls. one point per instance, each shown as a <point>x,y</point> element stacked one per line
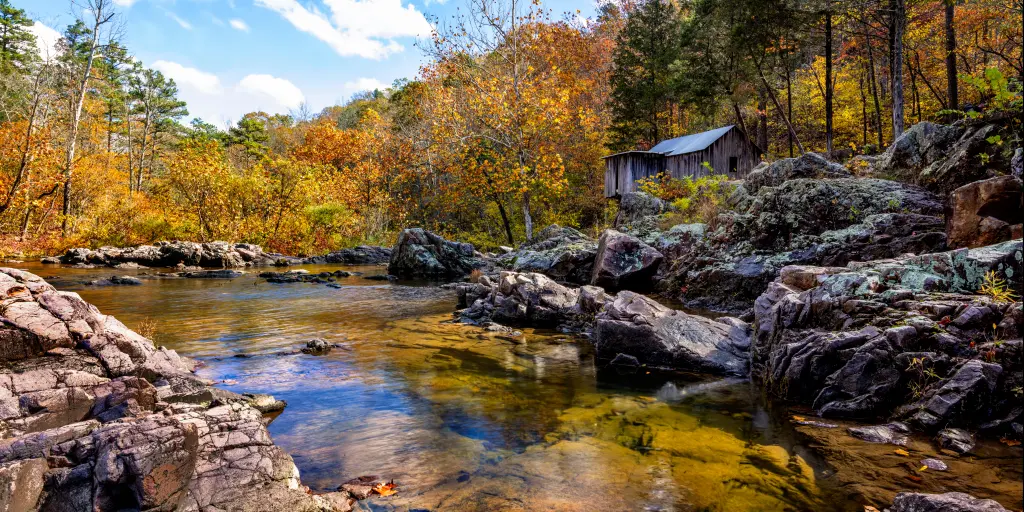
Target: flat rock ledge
<point>93,416</point>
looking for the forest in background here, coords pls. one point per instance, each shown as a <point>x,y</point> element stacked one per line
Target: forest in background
<point>502,131</point>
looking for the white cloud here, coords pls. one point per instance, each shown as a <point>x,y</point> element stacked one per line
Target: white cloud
<point>46,40</point>
<point>201,81</point>
<point>362,84</point>
<point>124,3</point>
<point>282,91</point>
<point>238,24</point>
<point>184,24</point>
<point>364,28</point>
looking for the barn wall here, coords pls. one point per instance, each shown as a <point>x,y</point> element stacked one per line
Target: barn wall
<point>732,144</point>
<point>622,171</point>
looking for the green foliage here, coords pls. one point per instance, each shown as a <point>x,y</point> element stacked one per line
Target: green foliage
<point>995,87</point>
<point>17,44</point>
<point>693,200</point>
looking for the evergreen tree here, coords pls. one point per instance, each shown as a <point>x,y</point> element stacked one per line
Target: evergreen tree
<point>17,44</point>
<point>642,89</point>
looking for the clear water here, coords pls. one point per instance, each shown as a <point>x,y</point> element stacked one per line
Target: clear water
<point>466,420</point>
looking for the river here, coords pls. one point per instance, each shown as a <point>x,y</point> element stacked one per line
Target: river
<point>462,419</point>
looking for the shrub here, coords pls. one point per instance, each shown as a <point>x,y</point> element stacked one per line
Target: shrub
<point>693,200</point>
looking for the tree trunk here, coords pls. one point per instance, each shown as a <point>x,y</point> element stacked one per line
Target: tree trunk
<point>762,121</point>
<point>76,117</point>
<point>527,219</point>
<point>828,81</point>
<point>873,82</point>
<point>505,222</point>
<point>789,107</point>
<point>898,25</point>
<point>778,108</point>
<point>951,87</point>
<point>863,109</point>
<point>26,153</point>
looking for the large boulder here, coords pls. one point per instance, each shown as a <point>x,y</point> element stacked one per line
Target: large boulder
<point>948,502</point>
<point>624,262</point>
<point>639,213</point>
<point>21,484</point>
<point>985,212</point>
<point>176,253</point>
<point>529,299</point>
<point>561,253</point>
<point>359,255</point>
<point>421,253</point>
<point>638,327</point>
<point>808,165</point>
<point>942,158</point>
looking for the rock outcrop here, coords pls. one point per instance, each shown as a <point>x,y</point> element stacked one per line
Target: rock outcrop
<point>808,165</point>
<point>907,339</point>
<point>561,253</point>
<point>624,262</point>
<point>985,212</point>
<point>639,212</point>
<point>94,417</point>
<point>644,331</point>
<point>529,299</point>
<point>421,253</point>
<point>942,158</point>
<point>170,254</point>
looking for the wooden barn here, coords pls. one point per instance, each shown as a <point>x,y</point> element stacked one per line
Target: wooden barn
<point>727,149</point>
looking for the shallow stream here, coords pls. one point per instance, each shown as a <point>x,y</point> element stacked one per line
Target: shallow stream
<point>462,419</point>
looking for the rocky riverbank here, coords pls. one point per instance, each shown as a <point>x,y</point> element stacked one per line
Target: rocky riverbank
<point>94,417</point>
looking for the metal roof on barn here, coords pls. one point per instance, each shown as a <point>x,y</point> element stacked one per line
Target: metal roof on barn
<point>690,143</point>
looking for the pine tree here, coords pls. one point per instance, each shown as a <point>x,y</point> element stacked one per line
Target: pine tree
<point>642,90</point>
<point>17,44</point>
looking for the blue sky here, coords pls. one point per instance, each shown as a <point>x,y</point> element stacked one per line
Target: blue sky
<point>230,57</point>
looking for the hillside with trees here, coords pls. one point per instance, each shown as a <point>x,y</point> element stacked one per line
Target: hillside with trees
<point>501,132</point>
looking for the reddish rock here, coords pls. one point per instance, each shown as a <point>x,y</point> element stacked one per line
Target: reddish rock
<point>624,262</point>
<point>985,212</point>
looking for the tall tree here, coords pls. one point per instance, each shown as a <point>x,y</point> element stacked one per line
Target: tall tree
<point>17,44</point>
<point>642,88</point>
<point>156,101</point>
<point>101,13</point>
<point>952,95</point>
<point>897,28</point>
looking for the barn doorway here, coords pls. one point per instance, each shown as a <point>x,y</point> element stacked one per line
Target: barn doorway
<point>733,165</point>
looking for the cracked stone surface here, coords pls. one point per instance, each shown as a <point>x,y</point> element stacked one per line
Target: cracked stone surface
<point>94,417</point>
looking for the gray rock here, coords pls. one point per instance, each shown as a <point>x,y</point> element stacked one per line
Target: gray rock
<point>948,502</point>
<point>360,255</point>
<point>623,262</point>
<point>955,439</point>
<point>935,465</point>
<point>892,433</point>
<point>561,253</point>
<point>808,165</point>
<point>1017,163</point>
<point>960,399</point>
<point>317,347</point>
<point>420,253</point>
<point>657,336</point>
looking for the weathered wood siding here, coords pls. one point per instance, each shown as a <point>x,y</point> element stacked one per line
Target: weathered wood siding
<point>732,144</point>
<point>623,170</point>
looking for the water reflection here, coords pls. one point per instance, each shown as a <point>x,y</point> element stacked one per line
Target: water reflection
<point>463,419</point>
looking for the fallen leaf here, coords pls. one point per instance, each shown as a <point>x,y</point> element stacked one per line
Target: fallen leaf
<point>1010,442</point>
<point>914,478</point>
<point>385,489</point>
<point>798,418</point>
<point>922,468</point>
<point>869,508</point>
<point>902,452</point>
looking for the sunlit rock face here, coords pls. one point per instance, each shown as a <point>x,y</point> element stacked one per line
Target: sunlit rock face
<point>94,417</point>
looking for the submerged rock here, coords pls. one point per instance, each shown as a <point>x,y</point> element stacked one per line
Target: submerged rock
<point>948,502</point>
<point>359,255</point>
<point>892,433</point>
<point>955,439</point>
<point>420,253</point>
<point>170,254</point>
<point>636,326</point>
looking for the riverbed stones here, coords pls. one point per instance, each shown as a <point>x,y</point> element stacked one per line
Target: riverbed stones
<point>529,299</point>
<point>103,420</point>
<point>955,439</point>
<point>948,502</point>
<point>317,347</point>
<point>359,255</point>
<point>637,326</point>
<point>623,262</point>
<point>890,433</point>
<point>421,253</point>
<point>985,212</point>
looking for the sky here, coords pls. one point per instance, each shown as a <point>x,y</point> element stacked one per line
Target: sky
<point>229,57</point>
